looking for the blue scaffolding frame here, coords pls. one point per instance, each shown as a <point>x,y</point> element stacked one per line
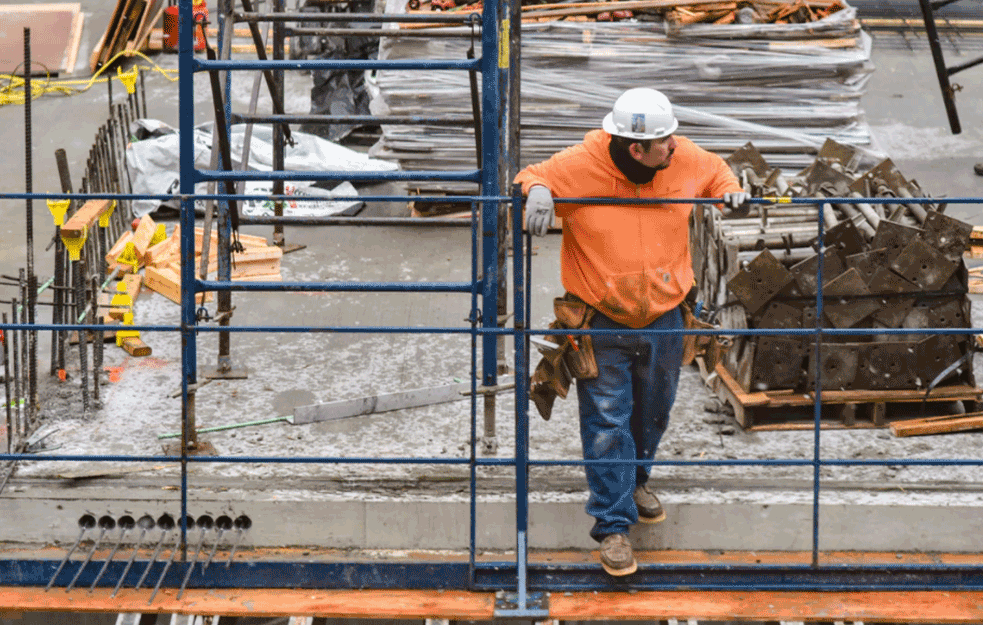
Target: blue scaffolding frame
<point>524,583</point>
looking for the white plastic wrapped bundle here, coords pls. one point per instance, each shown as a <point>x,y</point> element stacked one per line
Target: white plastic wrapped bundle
<point>784,87</point>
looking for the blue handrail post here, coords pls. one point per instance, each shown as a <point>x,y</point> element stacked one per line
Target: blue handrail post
<point>189,176</point>
<point>490,186</point>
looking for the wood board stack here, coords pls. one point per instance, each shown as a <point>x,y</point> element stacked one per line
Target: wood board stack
<point>884,267</point>
<point>129,28</point>
<point>161,259</point>
<point>786,87</point>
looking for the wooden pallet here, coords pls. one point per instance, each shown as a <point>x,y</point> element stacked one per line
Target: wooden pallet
<point>792,410</point>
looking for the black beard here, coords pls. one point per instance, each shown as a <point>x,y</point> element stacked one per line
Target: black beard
<point>631,168</point>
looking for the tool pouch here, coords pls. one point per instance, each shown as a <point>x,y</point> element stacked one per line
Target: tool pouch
<point>574,358</point>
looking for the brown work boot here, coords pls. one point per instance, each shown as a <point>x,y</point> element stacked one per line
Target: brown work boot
<point>616,555</point>
<point>649,508</point>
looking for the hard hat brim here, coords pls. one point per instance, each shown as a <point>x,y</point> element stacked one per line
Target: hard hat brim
<point>608,125</point>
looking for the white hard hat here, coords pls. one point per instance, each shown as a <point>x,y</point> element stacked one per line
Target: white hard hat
<point>641,113</point>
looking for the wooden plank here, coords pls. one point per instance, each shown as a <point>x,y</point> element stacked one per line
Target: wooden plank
<point>746,399</point>
<point>953,607</point>
<point>74,43</point>
<point>167,282</point>
<point>141,27</point>
<point>142,39</point>
<point>55,36</point>
<point>938,425</point>
<point>135,347</point>
<point>96,59</point>
<point>118,26</point>
<point>408,604</point>
<point>133,282</point>
<point>118,248</point>
<point>143,235</point>
<point>160,254</point>
<point>84,218</point>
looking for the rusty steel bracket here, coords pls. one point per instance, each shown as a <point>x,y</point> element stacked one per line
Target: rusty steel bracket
<point>887,365</point>
<point>759,282</point>
<point>845,237</point>
<point>838,365</point>
<point>848,156</point>
<point>748,156</point>
<point>867,264</point>
<point>894,237</point>
<point>947,234</point>
<point>846,313</point>
<point>779,315</point>
<point>778,363</point>
<point>806,271</point>
<point>923,265</point>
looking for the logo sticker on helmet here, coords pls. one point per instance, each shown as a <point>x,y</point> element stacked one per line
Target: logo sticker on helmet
<point>638,122</point>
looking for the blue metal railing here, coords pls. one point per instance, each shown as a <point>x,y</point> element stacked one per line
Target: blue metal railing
<point>525,578</point>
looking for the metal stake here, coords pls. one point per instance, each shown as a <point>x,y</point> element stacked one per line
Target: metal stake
<point>205,524</point>
<point>126,523</point>
<point>106,523</point>
<point>177,544</point>
<point>223,524</point>
<point>242,523</point>
<point>166,524</point>
<point>146,522</point>
<point>86,522</point>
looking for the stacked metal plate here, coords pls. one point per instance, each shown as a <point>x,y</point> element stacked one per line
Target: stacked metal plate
<point>891,268</point>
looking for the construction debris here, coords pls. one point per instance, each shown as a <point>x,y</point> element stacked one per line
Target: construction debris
<point>938,425</point>
<point>128,29</point>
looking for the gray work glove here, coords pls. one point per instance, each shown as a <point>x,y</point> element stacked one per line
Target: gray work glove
<point>540,214</point>
<point>735,203</point>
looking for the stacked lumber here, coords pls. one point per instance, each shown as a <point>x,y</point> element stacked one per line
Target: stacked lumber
<point>674,12</point>
<point>129,28</point>
<point>160,258</point>
<point>884,266</point>
<point>785,87</point>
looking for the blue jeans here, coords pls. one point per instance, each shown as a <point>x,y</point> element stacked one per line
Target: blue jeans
<point>624,412</point>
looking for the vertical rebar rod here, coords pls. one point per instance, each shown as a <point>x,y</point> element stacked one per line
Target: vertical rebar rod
<point>143,94</point>
<point>6,389</point>
<point>57,314</point>
<point>278,157</point>
<point>97,338</point>
<point>25,358</point>
<point>15,350</point>
<point>32,286</point>
<point>80,299</point>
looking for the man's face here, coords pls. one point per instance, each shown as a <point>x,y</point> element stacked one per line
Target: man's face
<point>659,154</point>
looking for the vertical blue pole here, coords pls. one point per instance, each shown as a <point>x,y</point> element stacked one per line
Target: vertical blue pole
<point>521,400</point>
<point>189,176</point>
<point>817,405</point>
<point>490,185</point>
<point>473,458</point>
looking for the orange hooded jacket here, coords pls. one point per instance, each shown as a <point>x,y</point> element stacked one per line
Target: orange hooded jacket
<point>630,262</point>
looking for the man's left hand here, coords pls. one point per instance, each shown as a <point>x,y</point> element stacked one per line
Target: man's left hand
<point>735,202</point>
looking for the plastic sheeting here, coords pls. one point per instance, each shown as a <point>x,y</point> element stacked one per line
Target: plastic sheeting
<point>154,166</point>
<point>784,87</point>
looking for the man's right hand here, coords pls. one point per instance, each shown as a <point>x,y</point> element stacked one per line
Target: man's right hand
<point>540,214</point>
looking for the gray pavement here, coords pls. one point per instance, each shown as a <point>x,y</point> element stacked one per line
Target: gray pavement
<point>387,506</point>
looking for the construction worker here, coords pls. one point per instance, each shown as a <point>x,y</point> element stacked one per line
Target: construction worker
<point>631,264</point>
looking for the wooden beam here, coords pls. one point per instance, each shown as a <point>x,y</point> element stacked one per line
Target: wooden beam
<point>167,282</point>
<point>952,607</point>
<point>938,425</point>
<point>135,347</point>
<point>84,217</point>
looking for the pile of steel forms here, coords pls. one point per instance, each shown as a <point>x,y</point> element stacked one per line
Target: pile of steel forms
<point>782,88</point>
<point>888,269</point>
